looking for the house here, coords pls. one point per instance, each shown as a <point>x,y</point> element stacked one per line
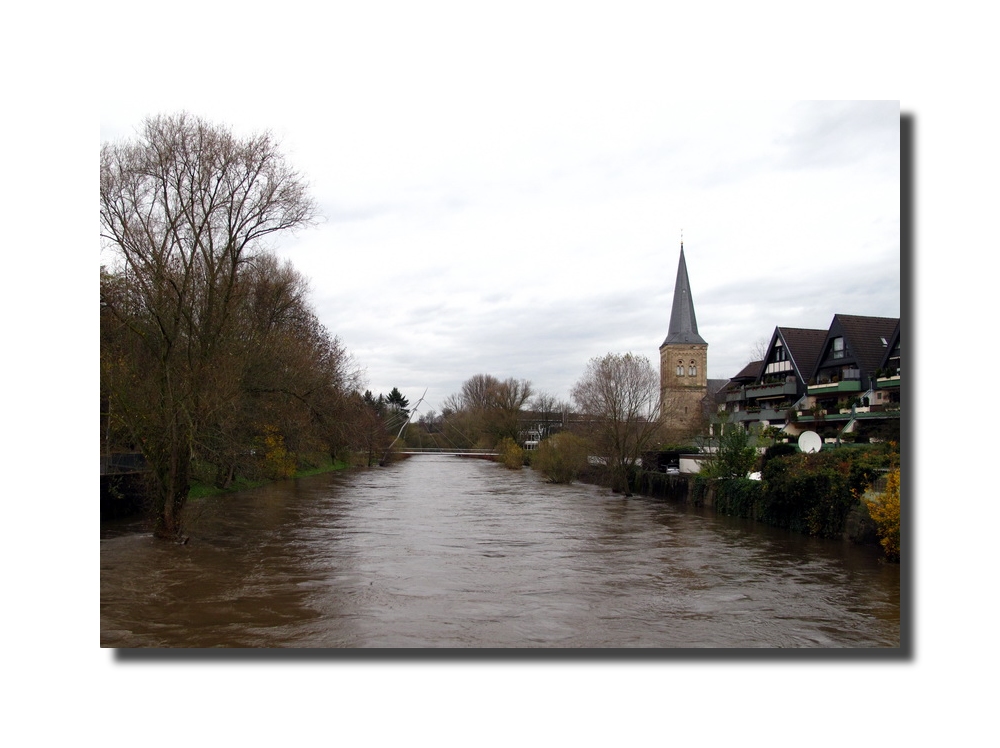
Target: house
<point>886,389</point>
<point>841,392</point>
<point>840,381</point>
<point>765,391</point>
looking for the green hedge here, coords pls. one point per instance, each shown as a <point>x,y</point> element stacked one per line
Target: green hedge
<point>739,497</point>
<point>809,493</point>
<point>814,493</point>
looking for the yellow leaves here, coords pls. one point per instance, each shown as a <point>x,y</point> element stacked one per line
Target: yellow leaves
<point>278,463</point>
<point>511,455</point>
<point>884,511</point>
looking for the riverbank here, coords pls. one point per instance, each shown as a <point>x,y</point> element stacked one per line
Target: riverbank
<point>821,496</point>
<point>201,489</point>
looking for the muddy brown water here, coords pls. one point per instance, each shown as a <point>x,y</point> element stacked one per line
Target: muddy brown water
<point>440,551</point>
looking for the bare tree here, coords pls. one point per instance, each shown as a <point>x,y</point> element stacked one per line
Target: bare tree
<point>184,208</point>
<point>619,394</point>
<point>488,409</point>
<point>758,349</point>
<point>507,400</point>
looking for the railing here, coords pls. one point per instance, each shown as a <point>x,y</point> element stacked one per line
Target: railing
<point>850,385</point>
<point>445,451</point>
<point>123,462</point>
<point>770,390</point>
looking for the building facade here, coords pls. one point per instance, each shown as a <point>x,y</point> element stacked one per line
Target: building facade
<point>842,382</point>
<point>683,365</point>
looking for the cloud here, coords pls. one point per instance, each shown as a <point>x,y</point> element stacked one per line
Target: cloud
<point>523,233</point>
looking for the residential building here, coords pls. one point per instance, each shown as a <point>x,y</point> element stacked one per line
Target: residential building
<point>840,381</point>
<point>765,391</point>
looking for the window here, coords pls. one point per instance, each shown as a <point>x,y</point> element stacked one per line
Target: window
<point>680,368</point>
<point>692,369</point>
<point>838,347</point>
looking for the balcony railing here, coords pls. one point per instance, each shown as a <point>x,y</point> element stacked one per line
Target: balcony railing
<point>764,414</point>
<point>770,390</point>
<point>754,391</point>
<point>850,385</point>
<point>887,382</point>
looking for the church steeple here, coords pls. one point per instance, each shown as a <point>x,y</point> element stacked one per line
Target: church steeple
<point>683,325</point>
<point>683,366</point>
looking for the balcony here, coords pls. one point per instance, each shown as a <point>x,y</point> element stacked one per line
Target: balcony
<point>771,390</point>
<point>764,414</point>
<point>883,383</point>
<point>850,385</point>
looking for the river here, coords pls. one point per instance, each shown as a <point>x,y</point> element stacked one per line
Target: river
<point>440,551</point>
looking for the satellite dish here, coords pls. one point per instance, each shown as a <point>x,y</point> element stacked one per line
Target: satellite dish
<point>810,442</point>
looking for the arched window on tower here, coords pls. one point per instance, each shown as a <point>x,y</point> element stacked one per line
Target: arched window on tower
<point>680,368</point>
<point>692,369</point>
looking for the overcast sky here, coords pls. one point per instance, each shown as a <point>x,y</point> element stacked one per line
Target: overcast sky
<point>486,215</point>
<point>524,240</point>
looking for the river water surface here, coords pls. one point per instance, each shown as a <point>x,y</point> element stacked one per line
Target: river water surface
<point>439,551</point>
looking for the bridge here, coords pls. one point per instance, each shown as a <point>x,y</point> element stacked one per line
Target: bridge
<point>447,451</point>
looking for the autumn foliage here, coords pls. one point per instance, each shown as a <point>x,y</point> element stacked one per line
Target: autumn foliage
<point>884,511</point>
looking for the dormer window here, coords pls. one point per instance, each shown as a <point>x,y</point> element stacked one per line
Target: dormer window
<point>838,347</point>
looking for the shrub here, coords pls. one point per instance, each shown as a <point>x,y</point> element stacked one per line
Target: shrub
<point>738,497</point>
<point>278,462</point>
<point>884,510</point>
<point>813,493</point>
<point>736,455</point>
<point>511,455</point>
<point>561,458</point>
<point>778,450</point>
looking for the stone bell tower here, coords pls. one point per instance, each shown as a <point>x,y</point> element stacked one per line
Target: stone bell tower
<point>683,365</point>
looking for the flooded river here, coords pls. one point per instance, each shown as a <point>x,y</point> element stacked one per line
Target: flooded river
<point>440,551</point>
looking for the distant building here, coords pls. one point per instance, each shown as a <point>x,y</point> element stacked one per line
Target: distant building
<point>683,366</point>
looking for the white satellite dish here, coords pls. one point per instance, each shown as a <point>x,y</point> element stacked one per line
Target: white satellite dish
<point>810,442</point>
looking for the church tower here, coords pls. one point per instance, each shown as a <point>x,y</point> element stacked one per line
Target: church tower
<point>683,365</point>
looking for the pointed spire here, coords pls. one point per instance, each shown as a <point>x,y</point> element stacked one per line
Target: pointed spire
<point>683,325</point>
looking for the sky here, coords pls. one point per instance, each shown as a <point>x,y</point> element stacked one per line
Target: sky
<point>471,237</point>
<point>495,205</point>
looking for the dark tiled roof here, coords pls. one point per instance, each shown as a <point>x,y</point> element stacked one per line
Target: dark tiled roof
<point>804,347</point>
<point>749,372</point>
<point>889,348</point>
<point>864,337</point>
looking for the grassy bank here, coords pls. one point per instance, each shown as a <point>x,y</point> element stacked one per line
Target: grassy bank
<point>201,488</point>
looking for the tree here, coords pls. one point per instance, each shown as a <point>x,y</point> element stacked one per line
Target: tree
<point>185,209</point>
<point>398,403</point>
<point>620,395</point>
<point>507,399</point>
<point>736,455</point>
<point>372,436</point>
<point>561,458</point>
<point>758,349</point>
<point>487,410</point>
<point>549,413</point>
<point>884,510</point>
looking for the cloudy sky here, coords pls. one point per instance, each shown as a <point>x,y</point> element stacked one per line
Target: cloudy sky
<point>490,210</point>
<point>522,241</point>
